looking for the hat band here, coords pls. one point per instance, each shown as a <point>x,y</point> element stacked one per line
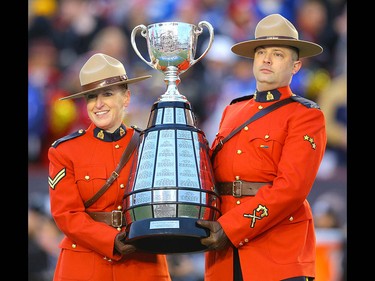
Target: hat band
<point>104,82</point>
<point>276,37</point>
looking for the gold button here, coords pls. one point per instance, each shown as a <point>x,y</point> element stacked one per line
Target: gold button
<point>119,229</point>
<point>87,177</point>
<point>260,107</point>
<point>122,185</point>
<point>240,244</point>
<point>237,178</point>
<point>117,146</point>
<point>239,151</point>
<point>266,136</point>
<point>246,128</point>
<point>74,246</point>
<point>80,131</point>
<point>291,218</point>
<point>119,207</point>
<point>246,240</point>
<point>238,202</point>
<point>105,258</point>
<point>110,260</point>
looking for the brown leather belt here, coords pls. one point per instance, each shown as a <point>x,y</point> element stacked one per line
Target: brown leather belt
<point>239,188</point>
<point>114,218</point>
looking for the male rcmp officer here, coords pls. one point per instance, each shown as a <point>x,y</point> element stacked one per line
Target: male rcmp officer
<point>266,170</point>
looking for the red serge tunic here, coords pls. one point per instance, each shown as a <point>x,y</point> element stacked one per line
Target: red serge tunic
<point>79,166</point>
<point>273,230</point>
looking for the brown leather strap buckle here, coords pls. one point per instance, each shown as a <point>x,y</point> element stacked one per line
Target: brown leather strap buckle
<point>237,188</point>
<point>116,220</point>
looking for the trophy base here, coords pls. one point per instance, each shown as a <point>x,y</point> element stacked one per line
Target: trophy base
<point>167,235</point>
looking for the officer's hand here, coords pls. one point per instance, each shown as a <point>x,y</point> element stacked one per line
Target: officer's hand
<point>121,247</point>
<point>217,239</point>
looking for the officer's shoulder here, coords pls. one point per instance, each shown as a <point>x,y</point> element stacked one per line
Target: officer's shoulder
<point>306,102</point>
<point>136,128</point>
<point>242,99</point>
<point>71,136</point>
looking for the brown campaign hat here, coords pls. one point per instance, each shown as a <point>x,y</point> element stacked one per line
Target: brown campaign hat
<point>276,30</point>
<point>101,71</point>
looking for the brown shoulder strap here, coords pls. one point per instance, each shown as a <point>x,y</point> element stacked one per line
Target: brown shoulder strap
<point>247,122</point>
<point>124,158</point>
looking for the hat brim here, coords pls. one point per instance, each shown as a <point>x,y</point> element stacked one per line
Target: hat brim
<point>127,81</point>
<point>247,48</point>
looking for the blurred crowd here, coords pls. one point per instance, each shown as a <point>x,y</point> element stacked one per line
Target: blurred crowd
<point>64,33</point>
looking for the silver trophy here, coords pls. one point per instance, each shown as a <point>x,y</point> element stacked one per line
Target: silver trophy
<point>171,182</point>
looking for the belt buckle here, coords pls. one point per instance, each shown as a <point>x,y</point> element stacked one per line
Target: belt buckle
<point>115,221</point>
<point>237,188</point>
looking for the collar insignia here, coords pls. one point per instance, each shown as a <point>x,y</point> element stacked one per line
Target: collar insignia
<point>267,96</point>
<point>100,135</point>
<point>122,132</point>
<point>109,137</point>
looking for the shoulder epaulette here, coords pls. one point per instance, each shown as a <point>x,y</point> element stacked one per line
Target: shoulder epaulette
<point>68,137</point>
<point>241,99</point>
<point>306,102</point>
<point>135,127</point>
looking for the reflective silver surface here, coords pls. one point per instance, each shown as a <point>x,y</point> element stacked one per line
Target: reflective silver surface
<point>171,184</point>
<point>172,171</point>
<point>172,48</point>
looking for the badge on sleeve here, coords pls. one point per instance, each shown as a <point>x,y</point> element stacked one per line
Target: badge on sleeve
<point>310,140</point>
<point>258,213</point>
<point>58,177</point>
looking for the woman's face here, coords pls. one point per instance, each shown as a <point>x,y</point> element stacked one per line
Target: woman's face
<point>106,107</point>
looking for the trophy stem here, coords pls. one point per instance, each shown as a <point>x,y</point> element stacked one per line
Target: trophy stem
<point>172,79</point>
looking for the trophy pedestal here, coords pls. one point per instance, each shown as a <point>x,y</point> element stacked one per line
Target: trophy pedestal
<point>167,235</point>
<point>171,183</point>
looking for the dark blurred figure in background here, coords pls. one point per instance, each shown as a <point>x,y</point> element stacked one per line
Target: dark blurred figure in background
<point>43,238</point>
<point>330,237</point>
<point>333,101</point>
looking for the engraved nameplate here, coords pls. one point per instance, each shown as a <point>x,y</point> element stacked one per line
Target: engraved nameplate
<point>180,116</point>
<point>164,196</point>
<point>165,210</point>
<point>165,168</point>
<point>146,162</point>
<point>164,224</point>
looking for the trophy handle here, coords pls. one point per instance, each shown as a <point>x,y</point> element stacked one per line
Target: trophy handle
<point>198,32</point>
<point>143,29</point>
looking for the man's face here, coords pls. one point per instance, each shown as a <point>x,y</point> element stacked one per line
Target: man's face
<point>274,66</point>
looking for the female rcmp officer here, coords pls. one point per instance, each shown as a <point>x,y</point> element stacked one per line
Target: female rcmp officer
<point>265,172</point>
<point>80,163</point>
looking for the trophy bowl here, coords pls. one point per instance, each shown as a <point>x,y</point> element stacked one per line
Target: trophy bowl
<point>172,48</point>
